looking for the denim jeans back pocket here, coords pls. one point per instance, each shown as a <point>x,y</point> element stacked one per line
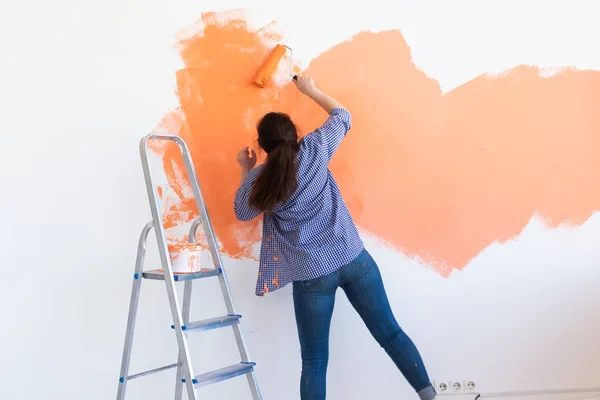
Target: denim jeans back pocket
<point>362,260</point>
<point>311,284</point>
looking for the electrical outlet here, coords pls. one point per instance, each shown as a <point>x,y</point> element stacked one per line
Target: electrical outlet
<point>454,386</point>
<point>457,386</point>
<point>470,386</point>
<point>441,386</point>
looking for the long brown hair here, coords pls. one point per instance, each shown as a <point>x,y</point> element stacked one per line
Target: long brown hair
<point>277,135</point>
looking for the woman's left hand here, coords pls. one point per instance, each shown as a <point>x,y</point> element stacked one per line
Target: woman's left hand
<point>245,160</point>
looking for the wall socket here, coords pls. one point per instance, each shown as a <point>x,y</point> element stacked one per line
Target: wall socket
<point>454,386</point>
<point>470,386</point>
<point>441,387</point>
<point>457,386</point>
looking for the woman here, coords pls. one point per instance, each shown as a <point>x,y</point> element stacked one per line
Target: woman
<point>309,239</point>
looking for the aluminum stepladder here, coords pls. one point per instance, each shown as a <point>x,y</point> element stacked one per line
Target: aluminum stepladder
<point>181,323</point>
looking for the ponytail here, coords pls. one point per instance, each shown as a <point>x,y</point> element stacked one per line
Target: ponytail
<point>278,179</point>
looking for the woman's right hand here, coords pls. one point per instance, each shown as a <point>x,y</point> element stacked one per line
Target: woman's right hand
<point>305,84</point>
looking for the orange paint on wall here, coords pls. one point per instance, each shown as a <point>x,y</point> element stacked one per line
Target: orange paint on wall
<point>439,176</point>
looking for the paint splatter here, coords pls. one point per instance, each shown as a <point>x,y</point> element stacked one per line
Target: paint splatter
<point>439,176</point>
<point>275,280</point>
<point>193,262</point>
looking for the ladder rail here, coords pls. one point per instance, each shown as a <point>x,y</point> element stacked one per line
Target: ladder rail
<point>216,256</point>
<point>237,331</point>
<point>133,307</point>
<point>166,260</point>
<point>213,245</point>
<point>187,299</point>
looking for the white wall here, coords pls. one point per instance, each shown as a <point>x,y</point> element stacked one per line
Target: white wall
<point>81,82</point>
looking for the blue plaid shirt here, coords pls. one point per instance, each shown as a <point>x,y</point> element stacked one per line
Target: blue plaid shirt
<point>312,234</point>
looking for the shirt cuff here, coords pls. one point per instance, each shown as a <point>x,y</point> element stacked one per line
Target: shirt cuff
<point>343,115</point>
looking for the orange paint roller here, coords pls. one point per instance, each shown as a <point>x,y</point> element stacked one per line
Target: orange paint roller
<point>268,68</point>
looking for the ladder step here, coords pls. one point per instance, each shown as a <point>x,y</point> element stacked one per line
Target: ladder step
<point>212,323</point>
<point>222,374</point>
<point>159,275</point>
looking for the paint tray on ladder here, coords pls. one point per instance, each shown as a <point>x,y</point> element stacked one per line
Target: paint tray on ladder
<point>186,260</point>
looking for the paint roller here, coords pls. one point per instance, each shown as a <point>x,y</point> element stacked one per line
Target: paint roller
<point>268,68</point>
<point>264,74</point>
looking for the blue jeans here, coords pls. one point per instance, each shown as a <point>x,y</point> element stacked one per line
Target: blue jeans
<point>313,303</point>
